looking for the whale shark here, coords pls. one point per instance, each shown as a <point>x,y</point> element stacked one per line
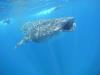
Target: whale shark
<point>40,30</point>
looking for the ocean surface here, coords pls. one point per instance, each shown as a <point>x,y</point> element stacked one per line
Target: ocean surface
<point>68,53</point>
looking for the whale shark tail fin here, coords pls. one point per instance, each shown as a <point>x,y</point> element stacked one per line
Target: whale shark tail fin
<point>24,40</point>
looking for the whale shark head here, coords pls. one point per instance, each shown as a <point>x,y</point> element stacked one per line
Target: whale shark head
<point>68,24</point>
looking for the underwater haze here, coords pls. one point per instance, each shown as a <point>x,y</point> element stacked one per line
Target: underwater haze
<point>68,53</point>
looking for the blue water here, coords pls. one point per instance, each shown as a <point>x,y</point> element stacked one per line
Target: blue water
<point>70,53</point>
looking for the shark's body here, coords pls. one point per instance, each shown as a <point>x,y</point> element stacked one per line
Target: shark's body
<point>38,31</point>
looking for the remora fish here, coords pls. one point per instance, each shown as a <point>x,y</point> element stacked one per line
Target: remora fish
<point>37,31</point>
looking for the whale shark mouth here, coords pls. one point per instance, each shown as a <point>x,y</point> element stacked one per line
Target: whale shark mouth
<point>74,26</point>
<point>69,25</point>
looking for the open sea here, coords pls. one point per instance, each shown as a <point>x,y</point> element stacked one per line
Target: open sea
<point>67,53</point>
